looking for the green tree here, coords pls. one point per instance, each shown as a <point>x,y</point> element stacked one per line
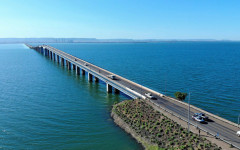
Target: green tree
<point>180,96</point>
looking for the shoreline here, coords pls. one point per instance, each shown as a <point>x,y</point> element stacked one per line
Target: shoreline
<point>120,122</point>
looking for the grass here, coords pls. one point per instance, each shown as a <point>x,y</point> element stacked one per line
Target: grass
<point>163,132</point>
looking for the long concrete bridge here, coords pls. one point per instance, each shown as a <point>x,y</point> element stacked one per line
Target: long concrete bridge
<point>226,129</point>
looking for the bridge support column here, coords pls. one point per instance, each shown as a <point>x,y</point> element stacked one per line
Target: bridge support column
<point>109,88</point>
<point>54,56</point>
<point>90,77</point>
<point>83,72</point>
<point>69,65</point>
<point>74,67</point>
<point>116,91</point>
<point>57,58</point>
<point>45,52</point>
<point>78,70</point>
<point>48,53</point>
<point>62,61</point>
<point>51,55</point>
<point>37,49</point>
<point>96,79</point>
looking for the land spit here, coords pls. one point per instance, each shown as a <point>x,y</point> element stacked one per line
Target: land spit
<point>154,130</point>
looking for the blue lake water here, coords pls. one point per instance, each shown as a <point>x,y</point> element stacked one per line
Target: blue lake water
<point>45,106</point>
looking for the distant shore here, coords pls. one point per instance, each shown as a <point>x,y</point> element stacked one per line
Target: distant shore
<point>94,40</point>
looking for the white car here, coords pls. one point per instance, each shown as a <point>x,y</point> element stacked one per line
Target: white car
<point>198,118</point>
<point>238,133</point>
<point>113,77</point>
<point>149,95</point>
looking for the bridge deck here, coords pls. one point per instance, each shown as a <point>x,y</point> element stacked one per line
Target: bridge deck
<point>226,129</point>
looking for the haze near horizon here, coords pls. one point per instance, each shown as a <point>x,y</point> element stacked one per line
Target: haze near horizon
<point>219,20</point>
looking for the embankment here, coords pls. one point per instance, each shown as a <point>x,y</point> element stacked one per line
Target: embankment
<point>154,130</point>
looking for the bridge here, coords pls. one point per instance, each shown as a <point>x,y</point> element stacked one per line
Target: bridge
<point>224,128</point>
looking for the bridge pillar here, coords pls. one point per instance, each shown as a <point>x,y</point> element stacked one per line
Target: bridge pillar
<point>116,91</point>
<point>78,70</point>
<point>90,77</point>
<point>37,49</point>
<point>96,79</point>
<point>74,67</point>
<point>54,56</point>
<point>83,72</point>
<point>45,52</point>
<point>109,88</point>
<point>62,61</point>
<point>48,53</point>
<point>57,58</point>
<point>69,65</point>
<point>51,55</point>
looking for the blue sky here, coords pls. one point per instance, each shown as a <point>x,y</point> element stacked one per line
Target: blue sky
<point>135,19</point>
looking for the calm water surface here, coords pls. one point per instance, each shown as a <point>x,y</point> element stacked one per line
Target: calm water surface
<point>45,106</point>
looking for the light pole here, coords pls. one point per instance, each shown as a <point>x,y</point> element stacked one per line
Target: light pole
<point>188,110</point>
<point>238,120</point>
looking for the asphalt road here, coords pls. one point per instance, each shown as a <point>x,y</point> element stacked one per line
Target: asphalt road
<point>225,130</point>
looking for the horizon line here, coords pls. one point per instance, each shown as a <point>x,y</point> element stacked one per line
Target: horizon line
<point>147,39</point>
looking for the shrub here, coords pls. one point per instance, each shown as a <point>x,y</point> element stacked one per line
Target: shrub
<point>180,96</point>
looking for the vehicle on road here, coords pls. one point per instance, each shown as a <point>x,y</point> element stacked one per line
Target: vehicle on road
<point>198,118</point>
<point>75,59</point>
<point>238,133</point>
<point>113,77</point>
<point>85,64</point>
<point>149,95</point>
<point>202,115</point>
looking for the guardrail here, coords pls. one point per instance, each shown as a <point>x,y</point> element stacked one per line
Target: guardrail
<point>214,135</point>
<point>203,111</point>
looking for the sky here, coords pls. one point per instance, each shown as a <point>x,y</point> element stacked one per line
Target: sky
<point>121,19</point>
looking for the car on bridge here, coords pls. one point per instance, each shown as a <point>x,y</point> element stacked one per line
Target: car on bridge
<point>113,77</point>
<point>202,115</point>
<point>238,133</point>
<point>149,95</point>
<point>198,119</point>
